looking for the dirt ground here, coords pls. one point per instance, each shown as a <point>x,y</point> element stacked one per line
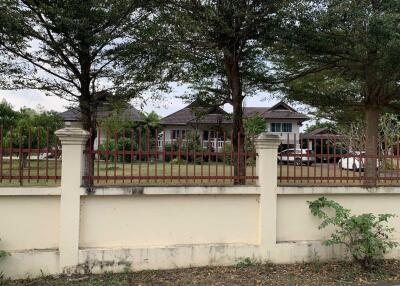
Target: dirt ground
<point>246,273</point>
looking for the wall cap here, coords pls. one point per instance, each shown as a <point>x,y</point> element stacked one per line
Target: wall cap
<point>72,136</point>
<point>267,141</point>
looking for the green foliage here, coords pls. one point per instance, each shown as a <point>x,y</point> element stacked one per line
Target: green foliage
<point>18,124</point>
<point>247,262</point>
<point>73,48</point>
<point>120,144</point>
<point>3,254</point>
<point>366,236</point>
<point>319,124</point>
<point>255,125</point>
<point>150,120</point>
<point>8,117</point>
<point>349,51</point>
<point>193,144</point>
<point>219,49</point>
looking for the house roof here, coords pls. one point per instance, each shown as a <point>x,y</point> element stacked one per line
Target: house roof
<point>217,115</point>
<point>129,113</point>
<point>280,110</point>
<point>322,133</point>
<point>188,116</point>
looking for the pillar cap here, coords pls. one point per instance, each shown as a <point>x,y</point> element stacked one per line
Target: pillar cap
<point>72,136</point>
<point>267,141</point>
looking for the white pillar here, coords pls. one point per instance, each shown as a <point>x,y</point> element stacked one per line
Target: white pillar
<point>267,171</point>
<point>73,141</point>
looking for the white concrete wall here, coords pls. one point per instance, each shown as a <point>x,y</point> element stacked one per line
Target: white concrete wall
<point>129,222</point>
<point>68,229</point>
<point>29,222</point>
<point>299,224</point>
<point>168,227</point>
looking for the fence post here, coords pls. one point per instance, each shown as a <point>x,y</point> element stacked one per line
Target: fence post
<point>267,171</point>
<point>73,141</point>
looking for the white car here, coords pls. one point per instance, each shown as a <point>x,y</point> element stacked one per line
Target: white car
<point>355,161</point>
<point>296,157</point>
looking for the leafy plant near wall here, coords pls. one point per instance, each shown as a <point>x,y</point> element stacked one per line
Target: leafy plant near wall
<point>3,253</point>
<point>366,237</point>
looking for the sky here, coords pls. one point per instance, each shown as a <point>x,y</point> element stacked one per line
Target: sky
<point>170,102</point>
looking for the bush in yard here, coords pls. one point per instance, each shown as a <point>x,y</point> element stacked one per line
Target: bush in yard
<point>120,144</point>
<point>365,236</point>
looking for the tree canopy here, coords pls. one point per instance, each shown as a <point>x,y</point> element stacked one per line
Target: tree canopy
<point>72,48</point>
<point>342,57</point>
<point>219,47</point>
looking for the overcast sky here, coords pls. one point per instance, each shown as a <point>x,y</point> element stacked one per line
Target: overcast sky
<point>169,103</point>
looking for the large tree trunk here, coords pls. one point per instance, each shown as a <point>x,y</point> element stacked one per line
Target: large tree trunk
<point>372,115</point>
<point>88,118</point>
<point>235,85</point>
<point>88,109</point>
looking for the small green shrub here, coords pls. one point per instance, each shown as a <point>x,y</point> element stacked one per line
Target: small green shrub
<point>3,253</point>
<point>247,262</point>
<point>365,236</point>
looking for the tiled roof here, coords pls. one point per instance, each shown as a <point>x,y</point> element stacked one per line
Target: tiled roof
<point>187,116</point>
<point>129,113</point>
<point>322,133</point>
<point>218,115</point>
<point>279,111</point>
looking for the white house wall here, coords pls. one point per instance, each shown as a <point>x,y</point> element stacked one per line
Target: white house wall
<point>285,136</point>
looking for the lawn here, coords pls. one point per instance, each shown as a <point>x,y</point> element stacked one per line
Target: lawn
<point>330,174</point>
<point>316,273</point>
<point>112,173</point>
<point>189,174</point>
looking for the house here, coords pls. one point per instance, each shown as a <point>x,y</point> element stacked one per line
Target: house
<point>327,144</point>
<point>282,120</point>
<point>72,118</point>
<point>212,124</point>
<point>320,136</point>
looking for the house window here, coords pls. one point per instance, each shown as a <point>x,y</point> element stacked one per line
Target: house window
<point>286,127</point>
<point>178,134</point>
<point>281,127</point>
<point>276,127</point>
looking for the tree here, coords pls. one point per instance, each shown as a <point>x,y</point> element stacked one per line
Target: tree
<point>8,117</point>
<point>321,124</point>
<point>73,47</point>
<point>219,47</point>
<point>342,57</point>
<point>150,121</point>
<point>31,129</point>
<point>9,33</point>
<point>255,125</point>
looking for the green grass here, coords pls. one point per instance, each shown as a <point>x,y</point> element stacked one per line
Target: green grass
<point>305,175</point>
<point>331,175</point>
<point>185,173</point>
<point>32,169</point>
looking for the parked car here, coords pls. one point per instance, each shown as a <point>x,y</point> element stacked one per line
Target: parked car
<point>355,161</point>
<point>296,156</point>
<point>333,155</point>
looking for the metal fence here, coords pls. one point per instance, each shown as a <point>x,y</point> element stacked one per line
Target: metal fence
<point>336,160</point>
<point>153,157</point>
<point>29,156</point>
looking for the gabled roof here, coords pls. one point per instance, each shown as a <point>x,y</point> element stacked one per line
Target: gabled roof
<point>190,115</point>
<point>280,110</point>
<point>322,133</point>
<point>128,113</point>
